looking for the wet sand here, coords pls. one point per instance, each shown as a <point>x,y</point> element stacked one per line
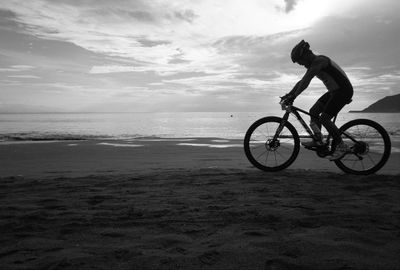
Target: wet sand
<point>106,205</point>
<point>77,158</point>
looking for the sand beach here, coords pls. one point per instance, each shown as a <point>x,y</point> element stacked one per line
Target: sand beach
<point>193,203</point>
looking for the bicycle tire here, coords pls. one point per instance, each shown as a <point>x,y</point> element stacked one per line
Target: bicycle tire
<point>292,135</point>
<point>375,147</point>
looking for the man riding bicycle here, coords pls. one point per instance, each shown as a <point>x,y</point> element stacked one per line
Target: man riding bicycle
<point>340,92</point>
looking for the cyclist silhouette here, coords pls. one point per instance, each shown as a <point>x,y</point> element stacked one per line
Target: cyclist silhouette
<point>340,92</point>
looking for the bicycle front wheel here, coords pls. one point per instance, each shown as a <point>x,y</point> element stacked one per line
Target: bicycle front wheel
<point>268,152</point>
<point>370,147</point>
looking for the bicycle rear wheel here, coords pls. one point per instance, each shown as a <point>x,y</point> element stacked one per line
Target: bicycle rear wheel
<point>265,152</point>
<point>371,149</point>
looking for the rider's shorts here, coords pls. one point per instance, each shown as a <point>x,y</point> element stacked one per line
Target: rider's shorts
<point>335,101</point>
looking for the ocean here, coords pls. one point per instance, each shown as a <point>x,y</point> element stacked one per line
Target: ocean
<point>228,125</point>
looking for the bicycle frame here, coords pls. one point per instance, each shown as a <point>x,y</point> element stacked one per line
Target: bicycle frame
<point>291,109</point>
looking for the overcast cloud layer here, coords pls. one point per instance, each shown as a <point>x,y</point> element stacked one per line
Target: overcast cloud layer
<point>176,55</point>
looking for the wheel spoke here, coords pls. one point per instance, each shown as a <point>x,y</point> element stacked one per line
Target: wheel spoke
<point>284,147</point>
<point>263,153</point>
<point>371,159</point>
<point>280,155</point>
<point>258,146</point>
<point>266,126</point>
<point>266,159</point>
<point>262,134</point>
<point>354,164</point>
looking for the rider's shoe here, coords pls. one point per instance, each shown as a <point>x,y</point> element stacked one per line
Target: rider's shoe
<point>312,144</point>
<point>341,150</point>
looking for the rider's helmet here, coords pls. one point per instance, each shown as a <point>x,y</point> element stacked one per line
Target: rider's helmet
<point>299,50</point>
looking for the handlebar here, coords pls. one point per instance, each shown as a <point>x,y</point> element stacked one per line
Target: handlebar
<point>285,104</point>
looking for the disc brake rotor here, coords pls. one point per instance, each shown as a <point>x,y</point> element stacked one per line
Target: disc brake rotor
<point>361,148</point>
<point>272,145</point>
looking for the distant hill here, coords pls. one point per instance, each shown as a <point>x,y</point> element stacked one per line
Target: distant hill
<point>389,104</point>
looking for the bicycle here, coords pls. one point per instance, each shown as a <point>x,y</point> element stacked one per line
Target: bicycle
<point>273,143</point>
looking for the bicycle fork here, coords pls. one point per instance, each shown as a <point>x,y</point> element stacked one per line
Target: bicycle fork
<point>281,126</point>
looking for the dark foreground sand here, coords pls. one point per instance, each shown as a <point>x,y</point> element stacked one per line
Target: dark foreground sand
<point>90,206</point>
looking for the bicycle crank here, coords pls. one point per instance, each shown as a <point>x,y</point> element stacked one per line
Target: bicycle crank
<point>323,151</point>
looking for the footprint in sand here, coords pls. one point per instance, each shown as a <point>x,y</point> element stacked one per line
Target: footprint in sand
<point>280,264</point>
<point>97,199</point>
<point>209,257</point>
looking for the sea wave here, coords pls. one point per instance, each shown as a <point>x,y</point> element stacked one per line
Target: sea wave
<point>394,132</point>
<point>48,137</point>
<point>45,136</point>
<point>60,136</point>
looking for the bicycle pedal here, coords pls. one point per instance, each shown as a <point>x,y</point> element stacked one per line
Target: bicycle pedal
<point>313,147</point>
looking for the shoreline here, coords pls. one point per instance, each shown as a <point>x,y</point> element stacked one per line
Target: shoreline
<point>371,112</point>
<point>145,154</point>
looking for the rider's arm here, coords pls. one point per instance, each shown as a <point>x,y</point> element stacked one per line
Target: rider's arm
<point>316,66</point>
<point>294,89</point>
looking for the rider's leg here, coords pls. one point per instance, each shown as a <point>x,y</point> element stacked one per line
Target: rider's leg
<point>336,102</point>
<point>315,111</point>
<point>315,125</point>
<point>341,148</point>
<point>315,122</point>
<point>325,119</point>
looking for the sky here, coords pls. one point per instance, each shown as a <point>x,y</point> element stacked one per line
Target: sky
<point>189,55</point>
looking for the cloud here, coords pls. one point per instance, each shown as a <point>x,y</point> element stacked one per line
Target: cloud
<point>8,19</point>
<point>290,4</point>
<point>186,15</point>
<point>151,43</point>
<point>24,76</point>
<point>6,14</point>
<point>16,68</point>
<point>112,69</point>
<point>120,14</point>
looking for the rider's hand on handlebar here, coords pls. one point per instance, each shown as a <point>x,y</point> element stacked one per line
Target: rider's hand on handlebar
<point>288,99</point>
